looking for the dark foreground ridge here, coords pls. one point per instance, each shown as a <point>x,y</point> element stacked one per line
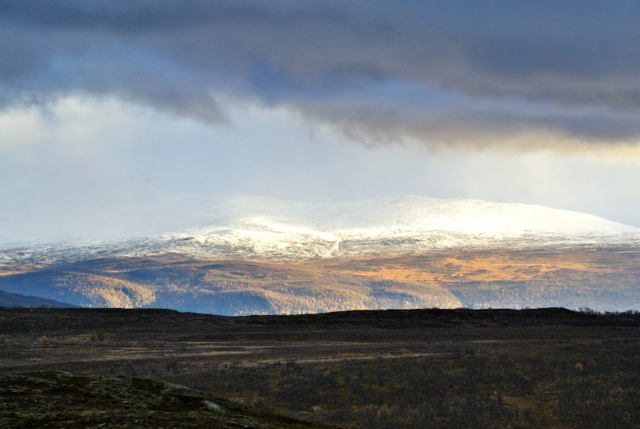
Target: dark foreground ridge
<point>35,319</point>
<point>459,317</point>
<point>55,399</point>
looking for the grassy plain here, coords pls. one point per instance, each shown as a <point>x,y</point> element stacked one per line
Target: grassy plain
<point>549,368</point>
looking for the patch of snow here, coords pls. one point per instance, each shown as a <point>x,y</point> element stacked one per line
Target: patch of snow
<point>212,406</point>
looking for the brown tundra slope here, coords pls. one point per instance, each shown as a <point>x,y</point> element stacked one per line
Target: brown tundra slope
<point>602,279</point>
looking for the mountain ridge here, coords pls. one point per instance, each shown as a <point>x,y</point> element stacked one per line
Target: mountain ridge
<point>28,301</point>
<point>268,228</point>
<point>269,256</point>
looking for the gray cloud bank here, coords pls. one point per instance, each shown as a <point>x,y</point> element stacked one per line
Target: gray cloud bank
<point>513,73</point>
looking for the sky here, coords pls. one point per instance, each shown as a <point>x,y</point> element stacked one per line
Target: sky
<point>128,118</point>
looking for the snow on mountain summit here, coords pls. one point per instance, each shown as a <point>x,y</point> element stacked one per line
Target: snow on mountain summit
<point>414,212</point>
<point>266,227</point>
<point>481,217</point>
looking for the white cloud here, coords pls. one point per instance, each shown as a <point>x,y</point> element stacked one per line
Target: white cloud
<point>101,169</point>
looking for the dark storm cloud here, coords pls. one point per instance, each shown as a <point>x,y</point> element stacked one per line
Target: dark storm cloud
<point>439,71</point>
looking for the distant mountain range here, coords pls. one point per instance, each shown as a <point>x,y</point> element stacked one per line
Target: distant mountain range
<point>260,255</point>
<point>18,300</point>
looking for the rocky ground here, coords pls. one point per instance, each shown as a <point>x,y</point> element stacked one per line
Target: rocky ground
<point>55,399</point>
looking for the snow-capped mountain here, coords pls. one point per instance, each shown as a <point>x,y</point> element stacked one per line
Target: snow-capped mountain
<point>260,255</point>
<point>261,227</point>
<point>266,228</point>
